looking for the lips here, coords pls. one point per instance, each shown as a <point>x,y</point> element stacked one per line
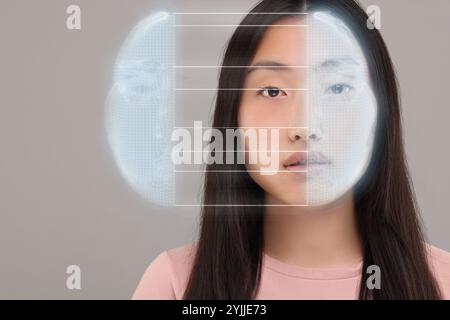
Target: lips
<point>303,159</point>
<point>296,159</point>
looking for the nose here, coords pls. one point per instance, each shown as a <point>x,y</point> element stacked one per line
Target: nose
<point>305,121</point>
<point>303,133</point>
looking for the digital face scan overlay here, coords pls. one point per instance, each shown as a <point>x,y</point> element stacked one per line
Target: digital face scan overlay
<point>341,110</point>
<point>141,109</point>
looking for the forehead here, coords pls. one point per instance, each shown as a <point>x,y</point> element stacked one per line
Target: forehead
<point>329,39</point>
<point>285,42</point>
<point>314,40</point>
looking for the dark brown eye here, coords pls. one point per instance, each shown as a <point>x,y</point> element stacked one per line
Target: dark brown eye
<point>271,92</point>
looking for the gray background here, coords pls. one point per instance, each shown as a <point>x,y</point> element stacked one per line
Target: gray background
<point>62,199</point>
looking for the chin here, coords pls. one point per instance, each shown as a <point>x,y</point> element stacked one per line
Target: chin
<point>295,197</point>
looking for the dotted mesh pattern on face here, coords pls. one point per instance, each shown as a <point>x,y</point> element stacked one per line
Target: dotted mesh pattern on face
<point>341,110</point>
<point>141,107</point>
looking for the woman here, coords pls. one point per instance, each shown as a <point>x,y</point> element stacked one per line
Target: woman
<point>342,202</point>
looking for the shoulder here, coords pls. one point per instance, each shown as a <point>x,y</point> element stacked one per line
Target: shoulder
<point>440,263</point>
<point>167,275</point>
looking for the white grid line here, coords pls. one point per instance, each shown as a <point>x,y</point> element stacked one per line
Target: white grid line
<point>241,205</point>
<point>239,25</point>
<point>220,66</point>
<point>270,171</point>
<point>242,13</point>
<point>178,151</point>
<point>242,127</point>
<point>235,89</point>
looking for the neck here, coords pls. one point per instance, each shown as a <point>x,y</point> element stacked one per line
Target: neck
<point>325,236</point>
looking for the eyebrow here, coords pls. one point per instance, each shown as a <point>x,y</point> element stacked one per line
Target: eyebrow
<point>278,66</point>
<point>338,62</point>
<point>269,65</point>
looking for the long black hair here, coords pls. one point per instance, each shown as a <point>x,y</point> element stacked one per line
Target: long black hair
<point>229,251</point>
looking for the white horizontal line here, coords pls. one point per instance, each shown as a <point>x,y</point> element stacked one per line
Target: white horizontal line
<point>234,89</point>
<point>241,205</point>
<point>241,25</point>
<point>274,171</point>
<point>246,13</point>
<point>240,151</point>
<point>242,127</point>
<point>241,67</point>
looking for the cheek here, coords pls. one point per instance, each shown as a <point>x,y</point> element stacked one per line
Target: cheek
<point>360,124</point>
<point>350,129</point>
<point>261,112</point>
<point>251,115</point>
<point>246,119</point>
<point>246,111</point>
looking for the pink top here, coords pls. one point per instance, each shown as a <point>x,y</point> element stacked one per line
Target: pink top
<point>167,276</point>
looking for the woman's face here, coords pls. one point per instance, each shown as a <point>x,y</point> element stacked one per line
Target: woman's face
<point>310,83</point>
